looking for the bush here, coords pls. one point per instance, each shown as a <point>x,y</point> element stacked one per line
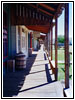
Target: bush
<point>60,39</point>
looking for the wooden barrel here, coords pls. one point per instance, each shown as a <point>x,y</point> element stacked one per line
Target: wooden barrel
<point>20,61</point>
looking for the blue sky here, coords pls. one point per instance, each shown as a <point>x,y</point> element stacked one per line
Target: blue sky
<point>61,23</point>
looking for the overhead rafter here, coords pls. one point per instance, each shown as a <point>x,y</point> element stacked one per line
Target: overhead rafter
<point>45,12</point>
<point>46,6</point>
<point>38,19</point>
<point>41,10</point>
<point>21,16</point>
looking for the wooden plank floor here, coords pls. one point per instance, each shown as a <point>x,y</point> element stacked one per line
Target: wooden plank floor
<point>36,80</point>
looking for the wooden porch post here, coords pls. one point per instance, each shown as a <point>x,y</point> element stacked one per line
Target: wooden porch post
<point>56,69</point>
<point>30,39</point>
<point>49,44</point>
<point>66,45</point>
<point>51,41</point>
<point>46,42</point>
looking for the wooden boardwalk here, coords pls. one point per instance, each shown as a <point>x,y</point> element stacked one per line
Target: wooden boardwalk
<point>36,80</point>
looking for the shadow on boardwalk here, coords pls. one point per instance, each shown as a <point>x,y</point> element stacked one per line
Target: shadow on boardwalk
<point>13,82</point>
<point>48,76</point>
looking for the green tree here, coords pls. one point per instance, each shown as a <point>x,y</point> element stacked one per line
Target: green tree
<point>60,39</point>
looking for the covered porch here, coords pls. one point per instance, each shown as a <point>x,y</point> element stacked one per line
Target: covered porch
<point>40,77</point>
<point>37,80</point>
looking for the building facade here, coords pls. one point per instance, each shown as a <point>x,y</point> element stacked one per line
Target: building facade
<point>15,38</point>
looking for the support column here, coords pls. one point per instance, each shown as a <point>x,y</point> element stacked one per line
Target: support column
<point>66,45</point>
<point>48,44</point>
<point>30,46</point>
<point>45,43</point>
<point>20,38</point>
<point>51,41</point>
<point>30,39</point>
<point>56,69</point>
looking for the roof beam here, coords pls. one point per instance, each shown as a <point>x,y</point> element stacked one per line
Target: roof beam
<point>45,12</point>
<point>29,21</point>
<point>41,10</point>
<point>46,6</point>
<point>39,28</point>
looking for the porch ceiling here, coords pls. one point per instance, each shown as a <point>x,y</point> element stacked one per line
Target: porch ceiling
<point>35,16</point>
<point>39,28</point>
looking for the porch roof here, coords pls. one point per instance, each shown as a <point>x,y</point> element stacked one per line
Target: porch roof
<point>39,15</point>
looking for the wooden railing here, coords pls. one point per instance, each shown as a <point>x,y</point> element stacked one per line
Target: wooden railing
<point>52,63</point>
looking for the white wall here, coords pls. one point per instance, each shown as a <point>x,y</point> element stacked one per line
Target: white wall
<point>23,40</point>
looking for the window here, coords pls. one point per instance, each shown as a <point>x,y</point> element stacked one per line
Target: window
<point>23,40</point>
